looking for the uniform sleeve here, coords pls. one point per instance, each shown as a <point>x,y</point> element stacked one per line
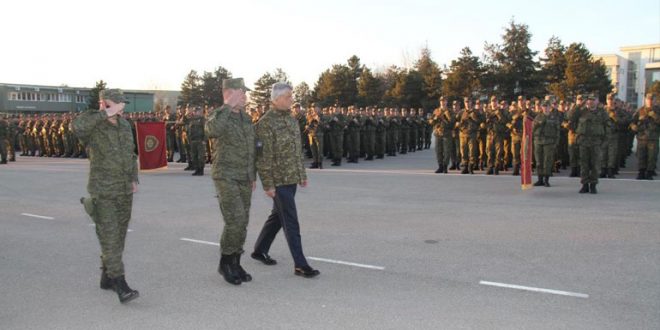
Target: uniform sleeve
<point>217,123</point>
<point>266,158</point>
<point>84,124</point>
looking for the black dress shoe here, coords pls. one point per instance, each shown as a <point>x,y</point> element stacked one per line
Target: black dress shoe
<point>306,271</point>
<point>263,257</point>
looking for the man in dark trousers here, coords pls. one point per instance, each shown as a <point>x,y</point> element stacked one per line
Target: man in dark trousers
<point>280,167</point>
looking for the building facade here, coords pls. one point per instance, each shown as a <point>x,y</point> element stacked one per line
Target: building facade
<point>22,98</point>
<point>633,71</point>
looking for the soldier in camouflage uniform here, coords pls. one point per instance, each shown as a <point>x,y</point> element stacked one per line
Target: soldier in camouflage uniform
<point>546,135</point>
<point>354,128</point>
<point>443,122</point>
<point>369,134</point>
<point>113,179</point>
<point>611,144</point>
<point>337,126</point>
<point>315,129</point>
<point>393,127</point>
<point>195,132</point>
<point>590,124</point>
<point>4,139</point>
<point>496,120</point>
<point>280,167</point>
<point>381,134</point>
<point>646,123</point>
<point>468,124</point>
<point>234,173</point>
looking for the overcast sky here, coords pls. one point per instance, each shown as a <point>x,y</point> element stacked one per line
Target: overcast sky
<point>152,45</point>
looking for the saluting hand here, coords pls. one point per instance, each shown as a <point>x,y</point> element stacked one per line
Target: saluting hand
<point>135,187</point>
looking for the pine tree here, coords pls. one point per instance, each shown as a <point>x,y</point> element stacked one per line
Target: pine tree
<point>302,94</point>
<point>93,102</point>
<point>463,78</point>
<point>554,68</point>
<point>191,91</point>
<point>369,89</point>
<point>517,71</point>
<point>431,79</point>
<point>261,93</point>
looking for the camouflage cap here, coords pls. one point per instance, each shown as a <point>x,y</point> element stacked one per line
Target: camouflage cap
<point>650,96</point>
<point>591,97</point>
<point>114,95</point>
<point>545,103</point>
<point>234,83</point>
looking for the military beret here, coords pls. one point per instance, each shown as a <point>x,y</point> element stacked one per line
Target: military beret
<point>114,95</point>
<point>234,83</point>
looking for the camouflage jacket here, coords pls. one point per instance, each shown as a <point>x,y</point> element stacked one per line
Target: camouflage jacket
<point>590,125</point>
<point>546,128</point>
<point>195,129</point>
<point>646,123</point>
<point>4,128</point>
<point>234,140</point>
<point>112,162</point>
<point>280,158</point>
<point>443,123</point>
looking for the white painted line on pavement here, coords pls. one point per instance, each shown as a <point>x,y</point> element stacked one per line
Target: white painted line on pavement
<point>346,263</point>
<point>339,262</point>
<point>37,216</point>
<point>94,225</point>
<point>198,241</point>
<point>528,288</point>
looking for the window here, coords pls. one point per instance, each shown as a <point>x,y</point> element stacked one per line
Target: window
<point>13,96</point>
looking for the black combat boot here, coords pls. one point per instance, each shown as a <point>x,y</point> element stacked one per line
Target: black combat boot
<point>471,169</point>
<point>453,167</point>
<point>370,157</point>
<point>314,165</point>
<point>516,170</point>
<point>653,173</point>
<point>539,182</point>
<point>491,171</point>
<point>440,169</point>
<point>465,170</point>
<point>4,161</point>
<point>585,188</point>
<point>189,168</point>
<point>244,276</point>
<point>228,270</point>
<point>603,173</point>
<point>642,174</point>
<point>546,181</point>
<point>106,281</point>
<point>574,173</point>
<point>592,188</point>
<point>196,173</point>
<point>649,175</point>
<point>124,292</point>
<point>497,171</point>
<point>320,165</point>
<point>610,173</point>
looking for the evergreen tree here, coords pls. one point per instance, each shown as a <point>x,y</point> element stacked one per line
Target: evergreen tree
<point>463,78</point>
<point>431,79</point>
<point>93,102</point>
<point>261,93</point>
<point>583,74</point>
<point>302,94</point>
<point>191,90</point>
<point>517,71</point>
<point>369,89</point>
<point>554,68</point>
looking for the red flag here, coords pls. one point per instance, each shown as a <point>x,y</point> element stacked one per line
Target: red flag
<point>526,153</point>
<point>151,145</point>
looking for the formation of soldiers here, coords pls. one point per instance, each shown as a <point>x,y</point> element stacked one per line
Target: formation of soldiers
<point>469,136</point>
<point>487,137</point>
<point>334,133</point>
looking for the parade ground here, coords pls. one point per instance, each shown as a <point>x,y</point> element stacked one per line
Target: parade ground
<point>398,247</point>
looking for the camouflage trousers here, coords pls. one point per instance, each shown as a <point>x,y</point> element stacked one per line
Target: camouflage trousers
<point>610,148</point>
<point>234,198</point>
<point>316,145</point>
<point>3,148</point>
<point>381,143</point>
<point>647,154</point>
<point>337,145</point>
<point>515,149</point>
<point>443,147</point>
<point>111,216</point>
<point>545,158</point>
<point>590,162</point>
<point>197,154</point>
<point>469,150</point>
<point>495,150</point>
